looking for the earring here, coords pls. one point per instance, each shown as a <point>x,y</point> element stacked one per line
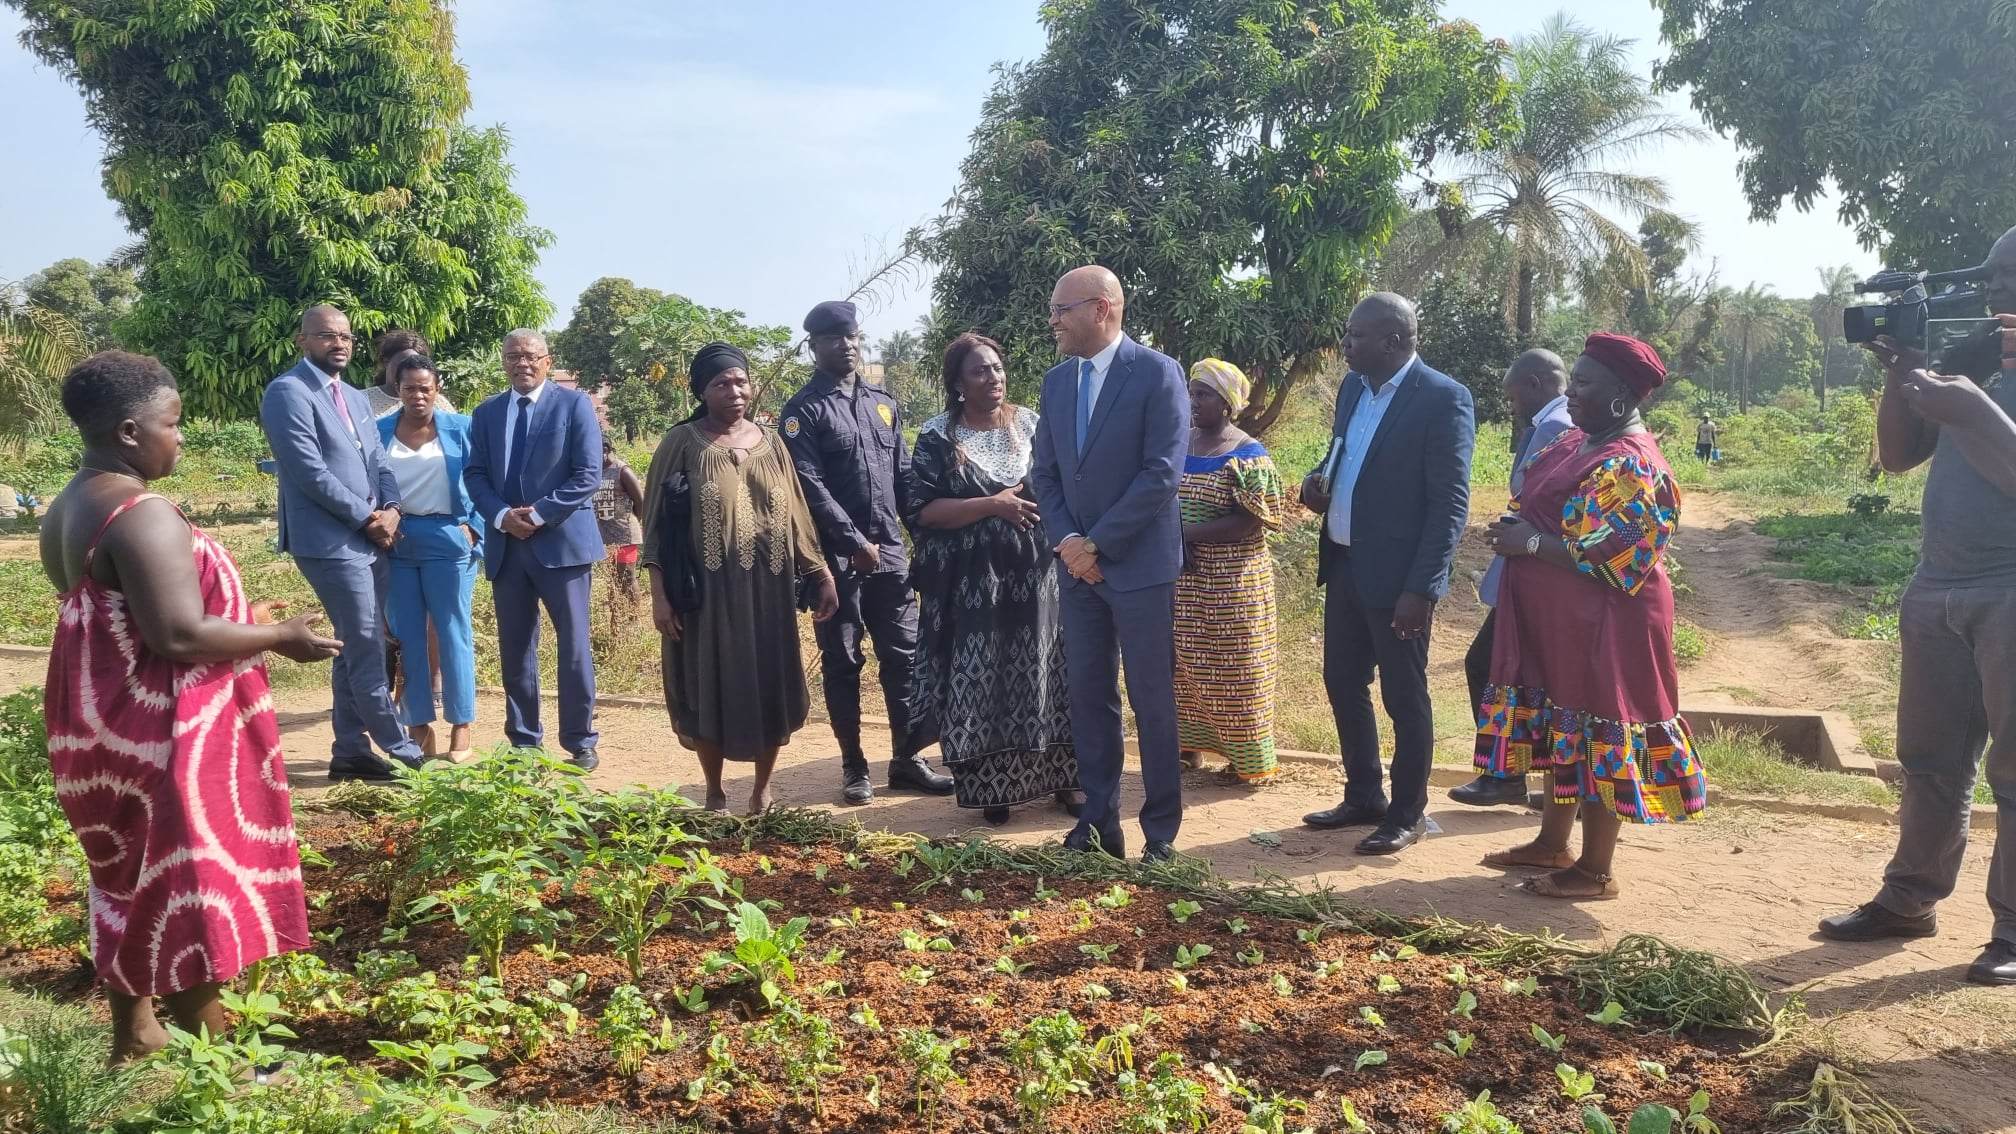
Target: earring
<point>962,395</point>
<point>1617,407</point>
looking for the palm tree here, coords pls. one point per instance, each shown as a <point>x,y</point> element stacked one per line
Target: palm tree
<point>1547,188</point>
<point>899,347</point>
<point>1752,320</point>
<point>1837,288</point>
<point>36,346</point>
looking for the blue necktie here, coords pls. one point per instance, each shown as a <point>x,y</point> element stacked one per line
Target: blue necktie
<point>514,468</point>
<point>1084,401</point>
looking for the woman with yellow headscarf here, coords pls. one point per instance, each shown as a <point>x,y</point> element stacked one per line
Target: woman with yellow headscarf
<point>1231,497</point>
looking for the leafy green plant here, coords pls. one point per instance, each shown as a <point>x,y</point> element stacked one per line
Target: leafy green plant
<point>1369,1058</point>
<point>1457,1044</point>
<point>1162,1101</point>
<point>1547,1040</point>
<point>1466,1005</point>
<point>1184,910</point>
<point>1611,1015</point>
<point>1577,1086</point>
<point>500,901</point>
<point>764,954</point>
<point>1117,898</point>
<point>1009,966</point>
<point>1387,984</point>
<point>1253,956</point>
<point>807,1050</point>
<point>1236,926</point>
<point>719,1074</point>
<point>1283,987</point>
<point>974,896</point>
<point>632,1029</point>
<point>930,1060</point>
<point>433,1063</point>
<point>1371,1016</point>
<point>1478,1116</point>
<point>1054,1063</point>
<point>53,1073</point>
<point>1187,956</point>
<point>1100,953</point>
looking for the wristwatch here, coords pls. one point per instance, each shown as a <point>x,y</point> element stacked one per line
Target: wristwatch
<point>1090,547</point>
<point>1533,544</point>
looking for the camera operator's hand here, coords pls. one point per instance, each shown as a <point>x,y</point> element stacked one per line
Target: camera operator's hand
<point>1948,400</point>
<point>1896,359</point>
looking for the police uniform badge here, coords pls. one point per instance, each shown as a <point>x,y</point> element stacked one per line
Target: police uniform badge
<point>888,415</point>
<point>791,426</point>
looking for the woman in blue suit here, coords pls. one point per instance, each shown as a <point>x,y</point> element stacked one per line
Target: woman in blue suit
<point>435,560</point>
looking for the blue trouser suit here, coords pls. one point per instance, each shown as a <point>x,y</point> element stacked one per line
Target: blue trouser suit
<point>433,579</point>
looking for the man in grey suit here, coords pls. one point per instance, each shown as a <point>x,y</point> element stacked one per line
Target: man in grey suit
<point>1536,384</point>
<point>1394,494</point>
<point>1109,451</point>
<point>339,510</point>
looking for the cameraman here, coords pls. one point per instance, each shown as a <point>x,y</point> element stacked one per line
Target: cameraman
<point>1958,625</point>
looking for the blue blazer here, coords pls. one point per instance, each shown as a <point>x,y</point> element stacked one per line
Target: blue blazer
<point>1121,492</point>
<point>330,482</point>
<point>563,468</point>
<point>1413,492</point>
<point>1544,433</point>
<point>453,430</point>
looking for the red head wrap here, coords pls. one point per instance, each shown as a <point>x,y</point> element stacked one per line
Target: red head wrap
<point>1631,360</point>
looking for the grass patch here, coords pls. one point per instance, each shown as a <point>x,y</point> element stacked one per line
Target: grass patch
<point>1846,549</point>
<point>1690,645</point>
<point>1748,764</point>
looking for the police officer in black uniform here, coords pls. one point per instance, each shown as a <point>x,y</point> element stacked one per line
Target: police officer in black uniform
<point>846,437</point>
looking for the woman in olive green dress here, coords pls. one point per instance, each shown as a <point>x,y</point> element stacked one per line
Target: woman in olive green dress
<point>729,547</point>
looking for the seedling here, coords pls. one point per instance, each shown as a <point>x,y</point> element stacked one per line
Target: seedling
<point>1458,976</point>
<point>1103,953</point>
<point>1656,1070</point>
<point>1372,1058</point>
<point>1309,936</point>
<point>842,890</point>
<point>693,1000</point>
<point>1465,1004</point>
<point>1184,910</point>
<point>852,861</point>
<point>764,953</point>
<point>1236,926</point>
<point>1163,1101</point>
<point>820,871</point>
<point>1018,915</point>
<point>765,866</point>
<point>1252,956</point>
<point>1327,969</point>
<point>904,865</point>
<point>919,975</point>
<point>938,922</point>
<point>1458,1045</point>
<point>1045,893</point>
<point>1696,1120</point>
<point>974,896</point>
<point>930,1059</point>
<point>807,1051</point>
<point>1348,1116</point>
<point>1388,985</point>
<point>1381,957</point>
<point>833,956</point>
<point>1611,1015</point>
<point>631,1028</point>
<point>1179,982</point>
<point>1282,987</point>
<point>1371,1016</point>
<point>1547,1039</point>
<point>1577,1086</point>
<point>1250,1026</point>
<point>1009,966</point>
<point>1118,898</point>
<point>1406,952</point>
<point>1524,986</point>
<point>1093,990</point>
<point>1187,956</point>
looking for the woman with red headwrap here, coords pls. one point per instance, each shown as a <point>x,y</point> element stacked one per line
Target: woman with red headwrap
<point>1583,680</point>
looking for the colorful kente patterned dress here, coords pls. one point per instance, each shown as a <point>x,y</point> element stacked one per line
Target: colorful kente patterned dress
<point>171,775</point>
<point>1225,639</point>
<point>990,647</point>
<point>1583,680</point>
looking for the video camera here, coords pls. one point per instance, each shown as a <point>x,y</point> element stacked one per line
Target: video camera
<point>1943,314</point>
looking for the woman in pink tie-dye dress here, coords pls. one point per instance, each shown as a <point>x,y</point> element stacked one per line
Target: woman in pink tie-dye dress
<point>161,732</point>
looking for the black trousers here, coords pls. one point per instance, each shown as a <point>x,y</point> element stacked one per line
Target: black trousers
<point>1357,642</point>
<point>880,607</point>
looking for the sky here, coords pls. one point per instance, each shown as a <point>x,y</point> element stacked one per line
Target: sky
<point>761,155</point>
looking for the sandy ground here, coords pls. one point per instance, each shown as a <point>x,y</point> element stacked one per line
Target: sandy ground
<point>1744,884</point>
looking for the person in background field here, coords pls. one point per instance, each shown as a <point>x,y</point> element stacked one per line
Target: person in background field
<point>1957,620</point>
<point>1535,385</point>
<point>1109,454</point>
<point>435,561</point>
<point>1704,438</point>
<point>730,548</point>
<point>339,513</point>
<point>162,739</point>
<point>619,506</point>
<point>990,660</point>
<point>1231,498</point>
<point>535,457</point>
<point>10,504</point>
<point>1583,680</point>
<point>846,438</point>
<point>1394,496</point>
<point>390,349</point>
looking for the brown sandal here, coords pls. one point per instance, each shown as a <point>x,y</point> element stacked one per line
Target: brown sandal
<point>1546,886</point>
<point>1529,857</point>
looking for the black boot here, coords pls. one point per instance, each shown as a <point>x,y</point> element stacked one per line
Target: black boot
<point>911,773</point>
<point>854,786</point>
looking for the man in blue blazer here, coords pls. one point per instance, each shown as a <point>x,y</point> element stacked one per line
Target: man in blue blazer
<point>1536,385</point>
<point>535,457</point>
<point>339,511</point>
<point>1394,494</point>
<point>1109,451</point>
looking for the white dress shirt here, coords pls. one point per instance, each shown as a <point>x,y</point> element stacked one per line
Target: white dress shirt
<point>423,477</point>
<point>510,429</point>
<point>1101,363</point>
<point>1359,433</point>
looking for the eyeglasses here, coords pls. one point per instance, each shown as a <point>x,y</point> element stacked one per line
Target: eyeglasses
<point>333,336</point>
<point>523,357</point>
<point>1057,309</point>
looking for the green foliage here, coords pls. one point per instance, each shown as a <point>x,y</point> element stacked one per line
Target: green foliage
<point>1054,1062</point>
<point>37,846</point>
<point>1464,335</point>
<point>52,1062</point>
<point>1879,106</point>
<point>656,346</point>
<point>1478,1116</point>
<point>930,1061</point>
<point>632,1028</point>
<point>1235,162</point>
<point>765,955</point>
<point>274,155</point>
<point>587,345</point>
<point>499,901</point>
<point>517,801</point>
<point>37,345</point>
<point>93,296</point>
<point>807,1050</point>
<point>1163,1101</point>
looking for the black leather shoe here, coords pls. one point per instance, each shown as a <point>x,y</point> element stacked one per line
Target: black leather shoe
<point>1344,815</point>
<point>1073,802</point>
<point>913,774</point>
<point>1082,838</point>
<point>586,760</point>
<point>1871,922</point>
<point>855,788</point>
<point>361,769</point>
<point>1489,791</point>
<point>995,815</point>
<point>1158,851</point>
<point>1995,965</point>
<point>1391,838</point>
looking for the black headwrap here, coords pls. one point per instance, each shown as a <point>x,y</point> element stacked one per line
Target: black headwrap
<point>708,362</point>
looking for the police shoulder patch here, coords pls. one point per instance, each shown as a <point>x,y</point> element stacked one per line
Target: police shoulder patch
<point>888,415</point>
<point>791,426</point>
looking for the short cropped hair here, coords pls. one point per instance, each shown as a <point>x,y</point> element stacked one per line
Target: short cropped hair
<point>417,362</point>
<point>110,387</point>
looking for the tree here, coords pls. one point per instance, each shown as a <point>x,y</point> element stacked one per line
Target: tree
<point>1463,334</point>
<point>37,345</point>
<point>900,348</point>
<point>1546,187</point>
<point>1235,162</point>
<point>657,346</point>
<point>1753,319</point>
<point>93,296</point>
<point>587,344</point>
<point>274,154</point>
<point>1904,107</point>
<point>1837,291</point>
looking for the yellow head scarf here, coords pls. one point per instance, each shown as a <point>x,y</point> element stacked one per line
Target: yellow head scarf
<point>1230,383</point>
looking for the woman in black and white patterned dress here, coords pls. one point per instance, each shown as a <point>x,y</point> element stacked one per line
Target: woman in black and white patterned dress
<point>990,658</point>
